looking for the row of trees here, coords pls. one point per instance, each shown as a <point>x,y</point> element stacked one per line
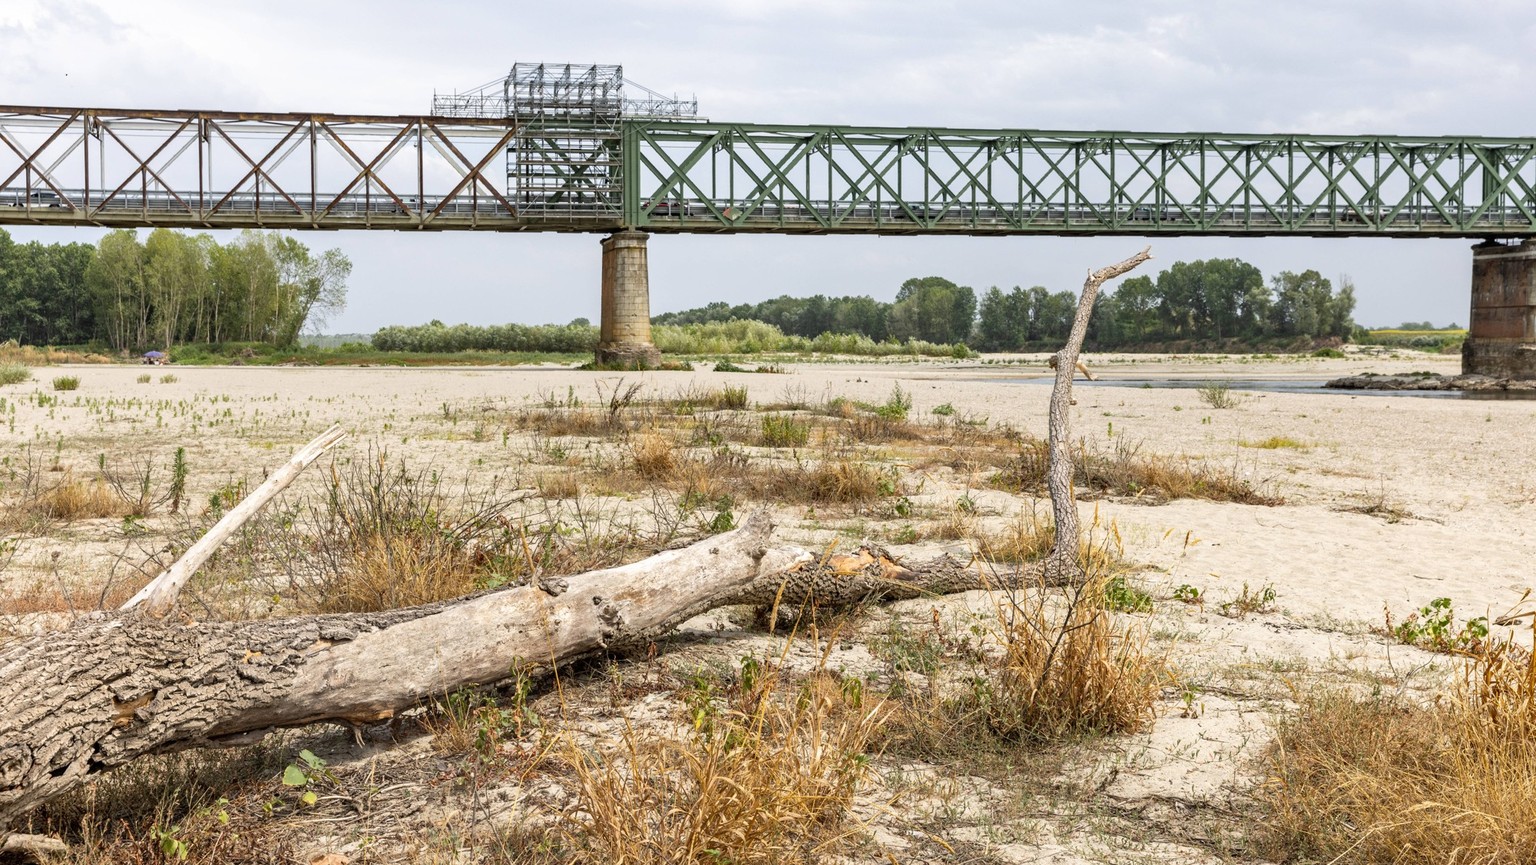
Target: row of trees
<point>1201,301</point>
<point>930,309</point>
<point>170,288</point>
<point>1224,299</point>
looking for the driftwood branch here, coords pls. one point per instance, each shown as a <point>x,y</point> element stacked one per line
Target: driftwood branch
<point>114,688</point>
<point>157,598</point>
<point>1063,560</point>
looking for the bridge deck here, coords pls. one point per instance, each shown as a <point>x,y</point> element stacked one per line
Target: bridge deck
<point>188,169</point>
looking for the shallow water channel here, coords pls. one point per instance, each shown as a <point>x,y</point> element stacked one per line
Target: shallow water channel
<point>1274,386</point>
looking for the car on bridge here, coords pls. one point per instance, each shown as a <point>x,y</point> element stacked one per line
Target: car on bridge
<point>41,198</point>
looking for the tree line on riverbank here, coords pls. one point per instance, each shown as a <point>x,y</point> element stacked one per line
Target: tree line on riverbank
<point>1216,300</point>
<point>170,288</point>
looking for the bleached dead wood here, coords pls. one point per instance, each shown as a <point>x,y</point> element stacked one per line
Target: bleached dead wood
<point>157,598</point>
<point>1062,564</point>
<point>122,685</point>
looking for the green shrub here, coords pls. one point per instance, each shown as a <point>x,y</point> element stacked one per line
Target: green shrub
<point>733,398</point>
<point>784,431</point>
<point>66,382</point>
<point>14,373</point>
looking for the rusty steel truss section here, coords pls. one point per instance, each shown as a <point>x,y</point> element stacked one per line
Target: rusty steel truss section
<point>195,169</point>
<point>207,169</point>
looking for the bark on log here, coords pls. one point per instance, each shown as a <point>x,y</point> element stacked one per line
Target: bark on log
<point>122,685</point>
<point>1062,564</point>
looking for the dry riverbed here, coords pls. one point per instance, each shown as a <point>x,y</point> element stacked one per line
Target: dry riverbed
<point>1389,502</point>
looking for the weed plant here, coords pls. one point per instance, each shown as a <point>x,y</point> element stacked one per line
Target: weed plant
<point>66,382</point>
<point>1218,395</point>
<point>13,373</point>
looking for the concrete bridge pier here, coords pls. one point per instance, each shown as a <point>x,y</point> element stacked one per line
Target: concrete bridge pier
<point>624,335</point>
<point>1501,340</point>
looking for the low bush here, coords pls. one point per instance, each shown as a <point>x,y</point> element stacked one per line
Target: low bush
<point>785,431</point>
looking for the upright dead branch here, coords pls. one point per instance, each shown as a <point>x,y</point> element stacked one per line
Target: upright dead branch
<point>1063,560</point>
<point>160,595</point>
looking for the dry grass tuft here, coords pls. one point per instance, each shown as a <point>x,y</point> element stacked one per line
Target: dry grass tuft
<point>558,485</point>
<point>1068,667</point>
<point>766,775</point>
<point>1376,780</point>
<point>655,458</point>
<point>1122,470</point>
<point>31,355</point>
<point>387,571</point>
<point>1027,538</point>
<point>1048,664</point>
<point>74,499</point>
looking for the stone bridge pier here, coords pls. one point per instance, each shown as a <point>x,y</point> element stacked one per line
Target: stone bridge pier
<point>624,335</point>
<point>1501,340</point>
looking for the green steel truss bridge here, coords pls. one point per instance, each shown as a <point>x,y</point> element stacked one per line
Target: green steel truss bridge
<point>209,169</point>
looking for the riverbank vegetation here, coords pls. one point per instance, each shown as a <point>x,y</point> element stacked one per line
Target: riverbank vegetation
<point>125,294</point>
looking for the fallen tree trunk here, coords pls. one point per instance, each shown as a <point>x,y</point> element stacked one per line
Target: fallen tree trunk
<point>125,684</point>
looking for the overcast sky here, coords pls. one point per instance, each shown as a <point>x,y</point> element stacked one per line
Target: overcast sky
<point>1428,67</point>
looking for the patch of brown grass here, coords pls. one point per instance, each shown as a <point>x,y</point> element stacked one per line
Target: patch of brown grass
<point>1123,470</point>
<point>1377,780</point>
<point>1047,664</point>
<point>763,775</point>
<point>559,485</point>
<point>1027,538</point>
<point>654,457</point>
<point>393,570</point>
<point>74,499</point>
<point>1069,667</point>
<point>60,597</point>
<point>31,355</point>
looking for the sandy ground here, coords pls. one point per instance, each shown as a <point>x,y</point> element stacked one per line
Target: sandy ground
<point>1452,482</point>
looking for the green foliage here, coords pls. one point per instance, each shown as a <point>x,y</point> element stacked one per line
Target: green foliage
<point>731,398</point>
<point>178,479</point>
<point>1449,339</point>
<point>173,288</point>
<point>304,773</point>
<point>932,309</point>
<point>785,431</point>
<point>1328,352</point>
<point>44,299</point>
<point>1217,395</point>
<point>1434,627</point>
<point>896,406</point>
<point>1021,318</point>
<point>1188,594</point>
<point>1261,600</point>
<point>944,410</point>
<point>14,374</point>
<point>66,382</point>
<point>437,337</point>
<point>1120,595</point>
